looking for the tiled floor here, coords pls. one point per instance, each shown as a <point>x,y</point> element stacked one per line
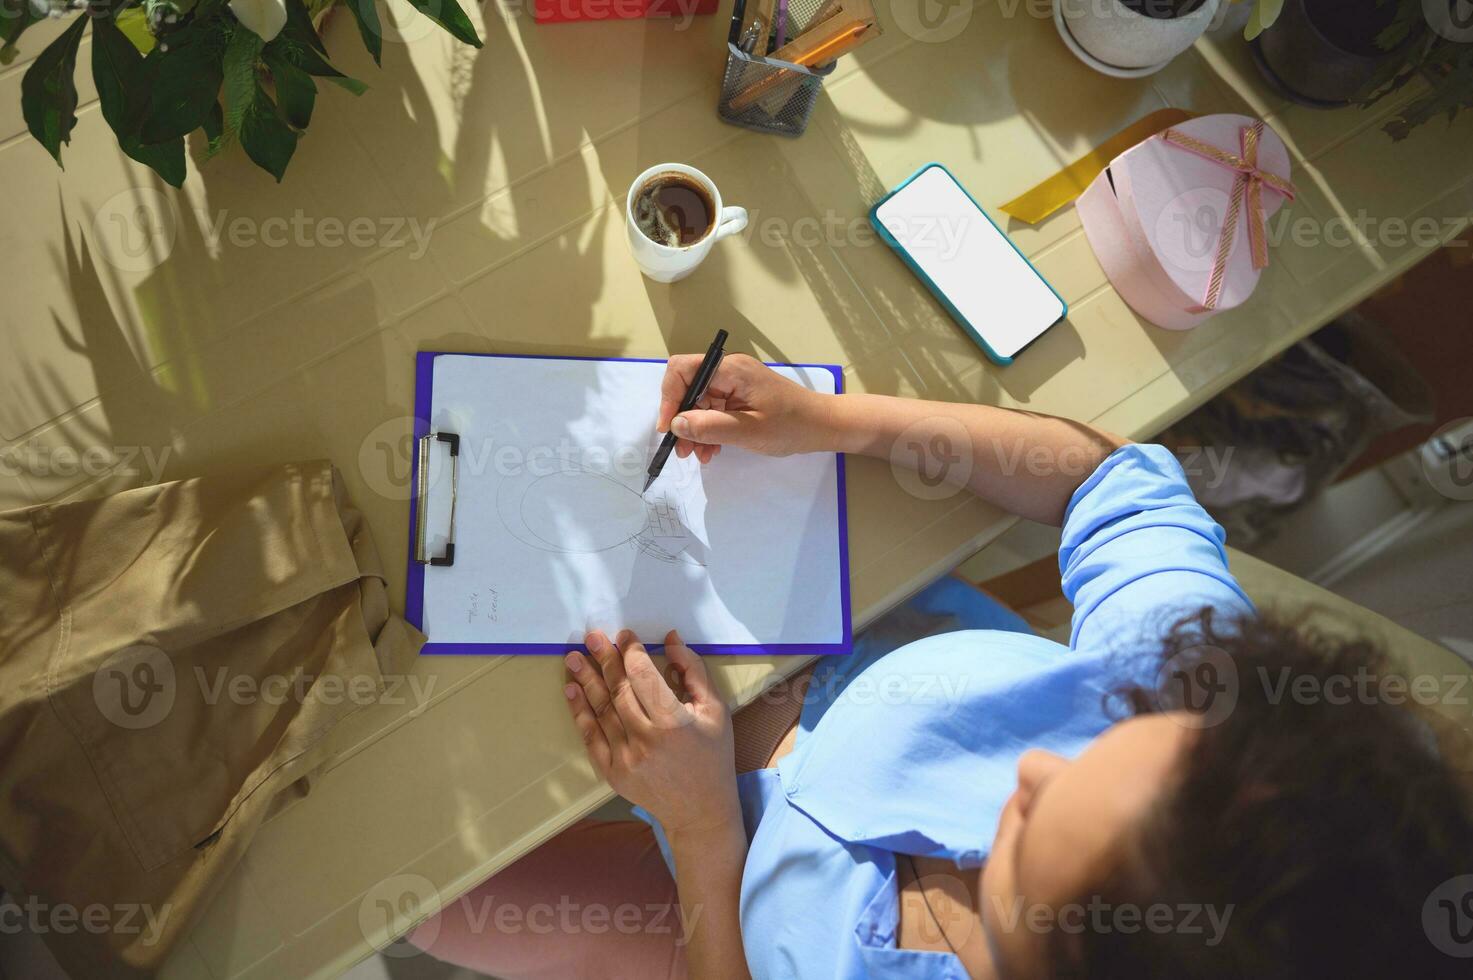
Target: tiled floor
<point>1419,579</point>
<point>1423,583</point>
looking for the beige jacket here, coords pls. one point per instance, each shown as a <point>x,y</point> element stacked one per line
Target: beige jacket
<point>170,659</point>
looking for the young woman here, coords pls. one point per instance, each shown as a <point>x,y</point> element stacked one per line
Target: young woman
<point>1160,798</point>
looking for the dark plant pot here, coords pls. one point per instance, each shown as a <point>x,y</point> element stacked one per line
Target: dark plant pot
<point>1323,52</point>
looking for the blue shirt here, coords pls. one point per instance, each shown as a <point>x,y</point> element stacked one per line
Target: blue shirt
<point>914,750</point>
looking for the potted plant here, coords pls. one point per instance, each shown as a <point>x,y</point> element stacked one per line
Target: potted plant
<point>1132,38</point>
<point>1440,53</point>
<point>1323,52</point>
<point>242,71</point>
<point>1365,51</point>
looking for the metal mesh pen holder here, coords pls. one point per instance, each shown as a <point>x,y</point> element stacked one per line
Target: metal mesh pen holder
<point>766,95</point>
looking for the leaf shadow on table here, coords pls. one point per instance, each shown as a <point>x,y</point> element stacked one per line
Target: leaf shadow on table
<point>236,245</point>
<point>142,418</point>
<point>130,417</point>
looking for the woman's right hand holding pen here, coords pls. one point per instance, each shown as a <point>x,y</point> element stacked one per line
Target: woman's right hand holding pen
<point>748,405</point>
<point>1028,464</point>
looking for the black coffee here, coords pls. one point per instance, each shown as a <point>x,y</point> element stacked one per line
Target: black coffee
<point>673,209</point>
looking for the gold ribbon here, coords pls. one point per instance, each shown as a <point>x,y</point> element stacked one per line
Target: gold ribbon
<point>1063,187</point>
<point>1247,189</point>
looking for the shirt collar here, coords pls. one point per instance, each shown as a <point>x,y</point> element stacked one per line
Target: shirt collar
<point>956,712</point>
<point>876,934</point>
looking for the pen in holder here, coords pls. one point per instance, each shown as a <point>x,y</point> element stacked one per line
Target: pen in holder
<point>764,94</point>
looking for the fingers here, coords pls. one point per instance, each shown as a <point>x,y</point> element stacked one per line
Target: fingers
<point>711,427</point>
<point>681,370</point>
<point>594,693</point>
<point>610,658</point>
<point>705,454</point>
<point>691,667</point>
<point>655,695</point>
<point>587,723</point>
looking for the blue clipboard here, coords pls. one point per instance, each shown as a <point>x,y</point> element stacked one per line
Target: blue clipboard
<point>935,290</point>
<point>424,374</point>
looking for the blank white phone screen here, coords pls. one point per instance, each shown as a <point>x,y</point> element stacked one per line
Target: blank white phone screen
<point>970,262</point>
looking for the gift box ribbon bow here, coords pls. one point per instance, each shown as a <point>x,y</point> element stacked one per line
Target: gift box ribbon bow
<point>1247,190</point>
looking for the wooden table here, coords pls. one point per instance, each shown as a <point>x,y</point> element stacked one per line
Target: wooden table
<point>153,334</point>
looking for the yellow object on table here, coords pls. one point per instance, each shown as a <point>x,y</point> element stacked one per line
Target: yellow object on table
<point>1062,188</point>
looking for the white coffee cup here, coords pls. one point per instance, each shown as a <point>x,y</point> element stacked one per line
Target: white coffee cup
<point>667,263</point>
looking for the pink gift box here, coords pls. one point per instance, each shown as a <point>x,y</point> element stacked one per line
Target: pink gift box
<point>1179,220</point>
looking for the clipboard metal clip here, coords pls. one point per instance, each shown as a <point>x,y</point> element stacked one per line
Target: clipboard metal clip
<point>422,480</point>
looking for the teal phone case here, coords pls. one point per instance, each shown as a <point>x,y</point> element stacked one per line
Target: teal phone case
<point>941,297</point>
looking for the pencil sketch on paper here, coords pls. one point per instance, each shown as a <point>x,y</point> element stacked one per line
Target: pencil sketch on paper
<point>579,511</point>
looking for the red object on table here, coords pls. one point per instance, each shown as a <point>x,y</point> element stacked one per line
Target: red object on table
<point>563,11</point>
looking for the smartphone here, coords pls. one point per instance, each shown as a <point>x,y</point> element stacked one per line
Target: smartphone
<point>972,268</point>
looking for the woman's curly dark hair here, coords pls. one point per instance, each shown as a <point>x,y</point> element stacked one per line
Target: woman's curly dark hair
<point>1318,805</point>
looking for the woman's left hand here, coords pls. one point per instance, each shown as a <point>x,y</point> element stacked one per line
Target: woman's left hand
<point>671,756</point>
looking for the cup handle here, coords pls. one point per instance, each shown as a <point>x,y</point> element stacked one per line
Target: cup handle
<point>733,220</point>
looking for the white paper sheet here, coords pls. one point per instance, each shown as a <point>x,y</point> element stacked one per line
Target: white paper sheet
<point>553,536</point>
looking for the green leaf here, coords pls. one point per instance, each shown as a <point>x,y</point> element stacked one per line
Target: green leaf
<point>296,93</point>
<point>447,14</point>
<point>296,53</point>
<point>249,114</point>
<point>1449,92</point>
<point>121,77</point>
<point>242,55</point>
<point>207,22</point>
<point>1407,20</point>
<point>365,12</point>
<point>164,159</point>
<point>344,82</point>
<point>267,139</point>
<point>48,92</point>
<point>1265,12</point>
<point>186,83</point>
<point>122,92</point>
<point>299,27</point>
<point>214,127</point>
<point>15,17</point>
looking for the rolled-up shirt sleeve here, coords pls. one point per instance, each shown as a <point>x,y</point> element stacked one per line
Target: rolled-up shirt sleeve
<point>1139,553</point>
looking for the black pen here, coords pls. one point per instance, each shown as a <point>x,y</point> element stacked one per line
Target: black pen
<point>693,394</point>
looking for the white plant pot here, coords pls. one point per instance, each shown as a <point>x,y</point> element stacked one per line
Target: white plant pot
<point>1118,38</point>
